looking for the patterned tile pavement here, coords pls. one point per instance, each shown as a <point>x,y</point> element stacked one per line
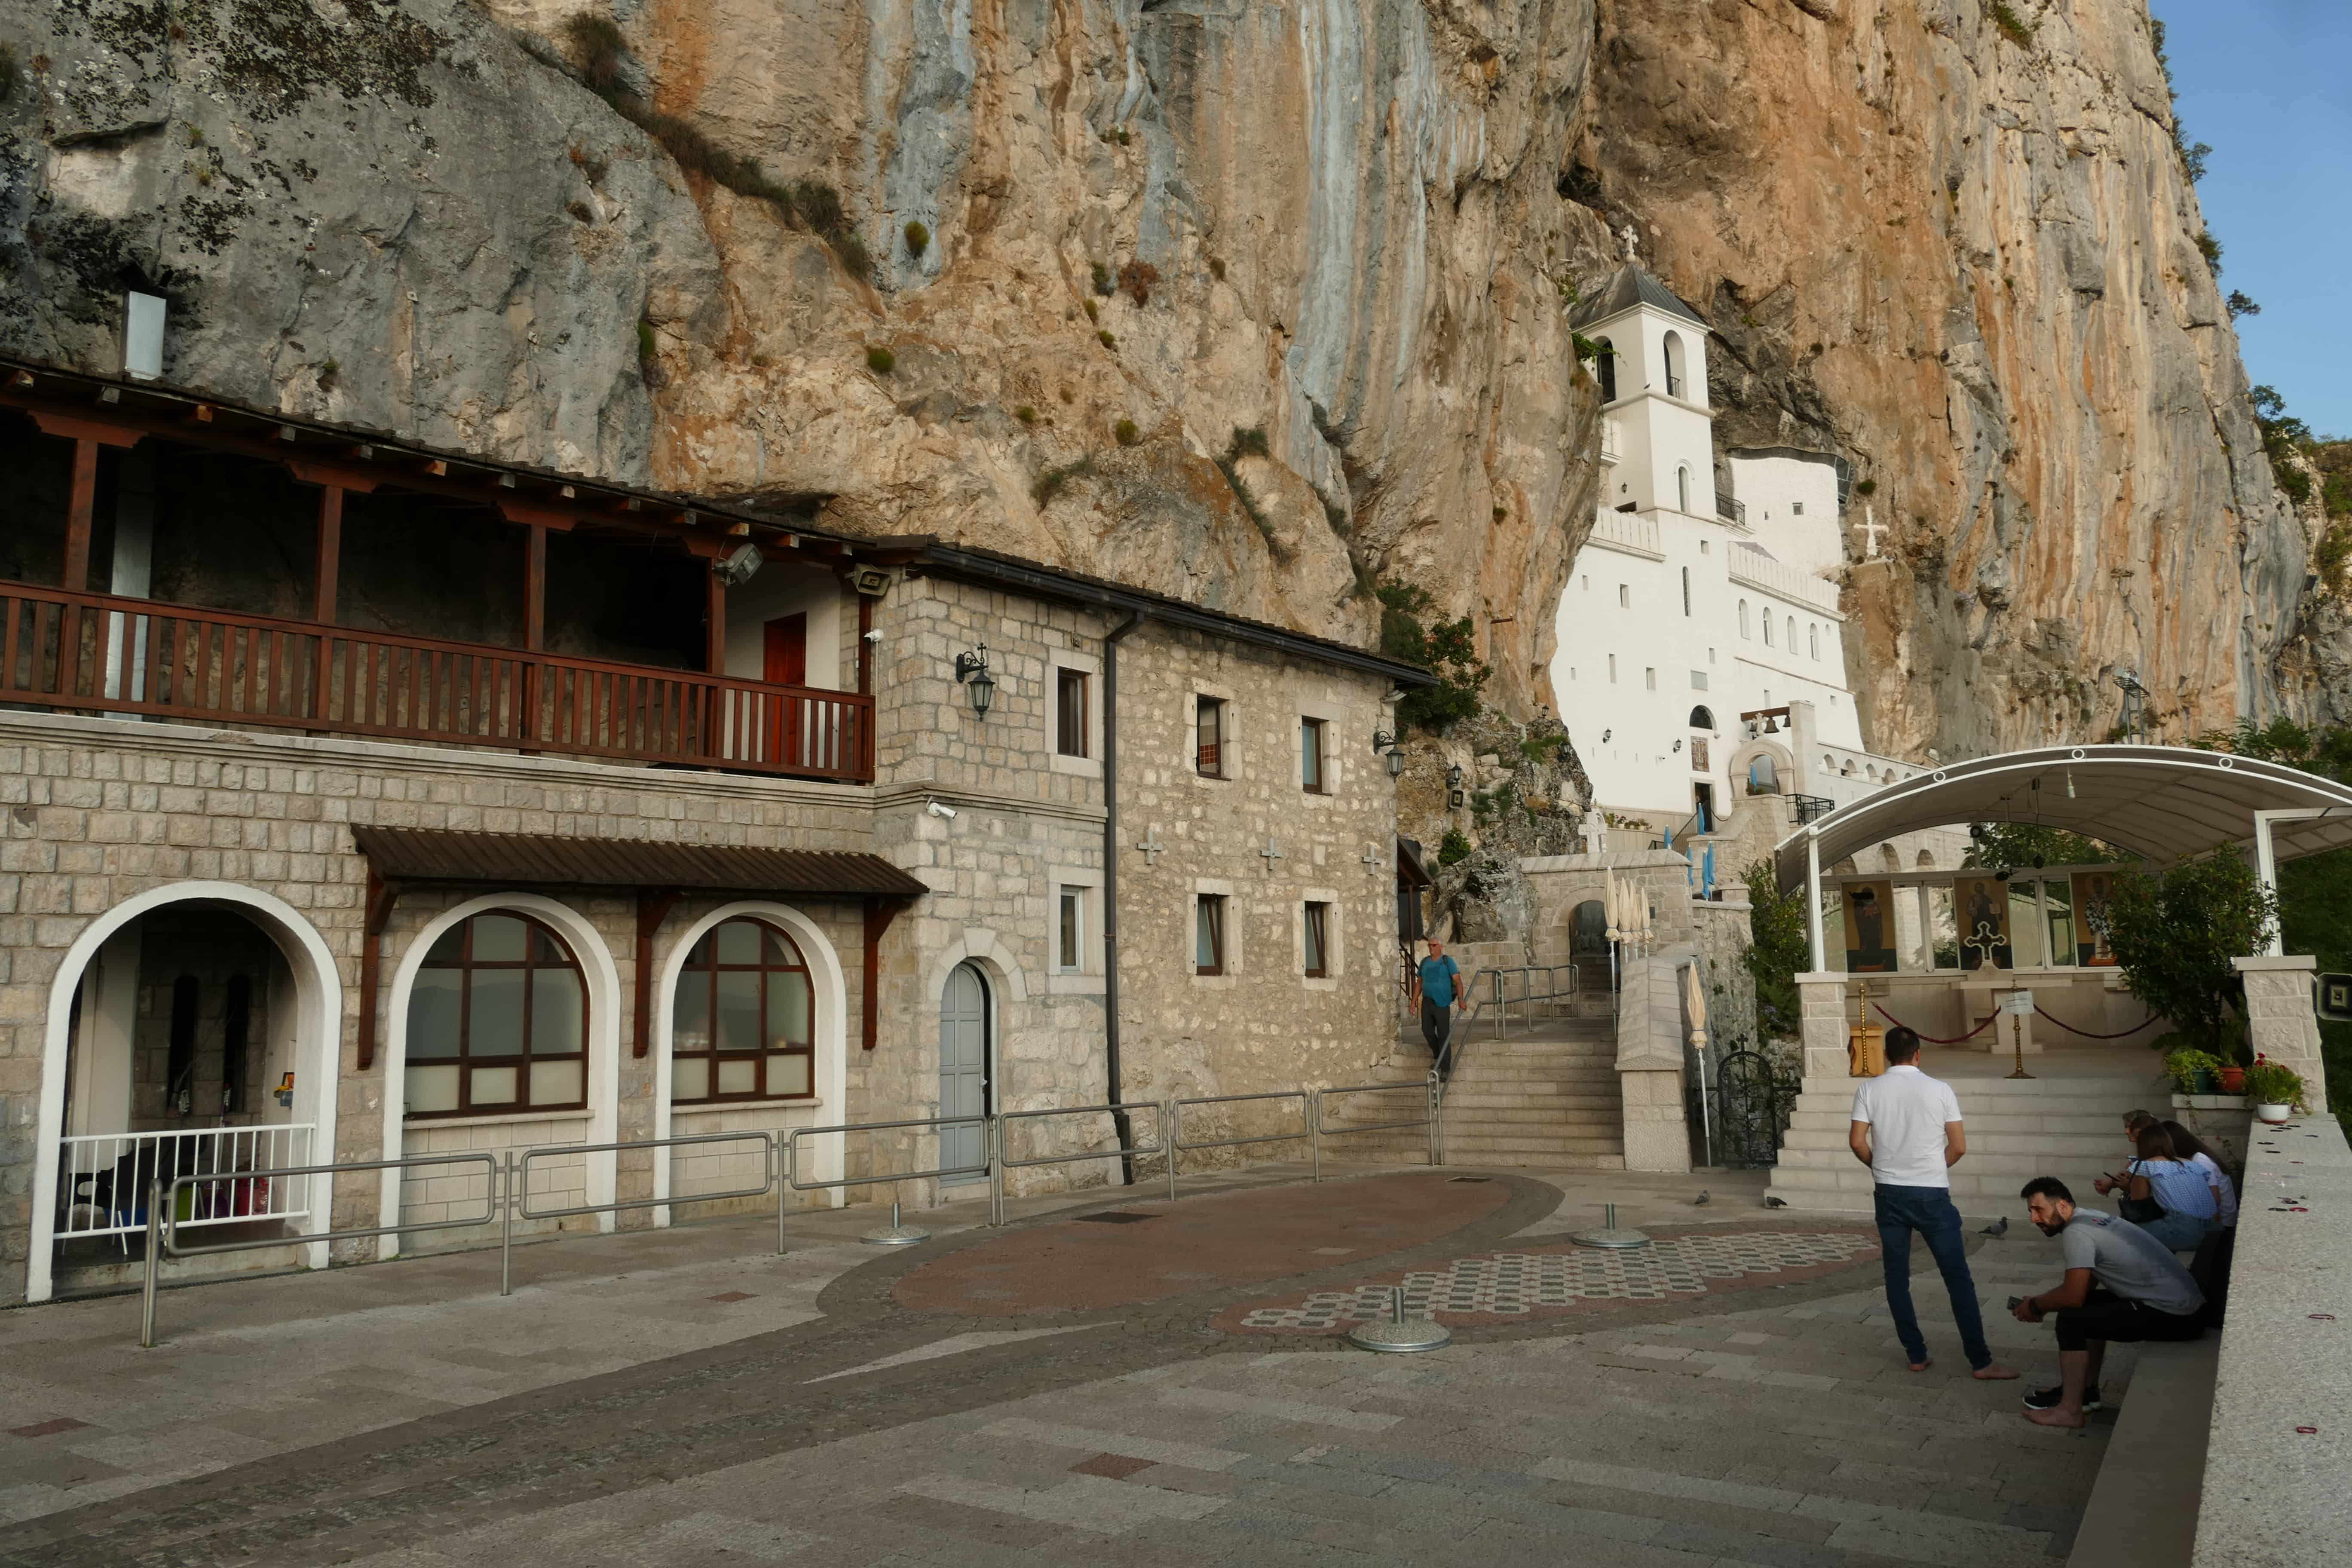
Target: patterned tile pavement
<point>1516,1284</point>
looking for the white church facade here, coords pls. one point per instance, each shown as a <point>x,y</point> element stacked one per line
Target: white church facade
<point>1701,652</point>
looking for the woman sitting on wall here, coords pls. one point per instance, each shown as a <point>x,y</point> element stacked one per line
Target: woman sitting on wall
<point>2163,1194</point>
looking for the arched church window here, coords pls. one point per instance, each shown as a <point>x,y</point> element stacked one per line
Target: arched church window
<point>1701,718</point>
<point>498,1021</point>
<point>1608,366</point>
<point>1682,489</point>
<point>1926,862</point>
<point>1743,617</point>
<point>1762,777</point>
<point>1813,641</point>
<point>1768,628</point>
<point>1673,364</point>
<point>1792,634</point>
<point>1887,857</point>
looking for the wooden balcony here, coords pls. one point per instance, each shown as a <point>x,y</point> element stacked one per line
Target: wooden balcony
<point>97,653</point>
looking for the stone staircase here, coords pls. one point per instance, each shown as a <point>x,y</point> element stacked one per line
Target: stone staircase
<point>2062,1123</point>
<point>1546,1097</point>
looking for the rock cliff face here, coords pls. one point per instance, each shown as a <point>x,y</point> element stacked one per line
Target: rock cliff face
<point>1255,303</point>
<point>1955,242</point>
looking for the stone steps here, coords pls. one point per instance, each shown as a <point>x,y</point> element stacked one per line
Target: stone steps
<point>1549,1097</point>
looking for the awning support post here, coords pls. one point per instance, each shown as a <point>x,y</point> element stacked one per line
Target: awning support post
<point>1813,899</point>
<point>2266,866</point>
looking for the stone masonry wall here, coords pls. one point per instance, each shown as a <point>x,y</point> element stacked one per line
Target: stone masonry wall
<point>1263,1025</point>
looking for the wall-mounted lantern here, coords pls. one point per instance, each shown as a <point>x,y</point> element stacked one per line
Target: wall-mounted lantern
<point>972,673</point>
<point>1385,744</point>
<point>1454,798</point>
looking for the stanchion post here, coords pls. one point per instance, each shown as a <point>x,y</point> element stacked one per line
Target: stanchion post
<point>155,1265</point>
<point>1315,1132</point>
<point>1436,1099</point>
<point>506,1232</point>
<point>996,1183</point>
<point>779,1145</point>
<point>1173,1130</point>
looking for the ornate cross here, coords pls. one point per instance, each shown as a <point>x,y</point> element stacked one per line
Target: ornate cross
<point>1984,939</point>
<point>1870,531</point>
<point>1629,243</point>
<point>1372,855</point>
<point>1152,847</point>
<point>1270,853</point>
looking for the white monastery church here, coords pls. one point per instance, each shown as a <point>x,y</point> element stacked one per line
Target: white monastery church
<point>1701,659</point>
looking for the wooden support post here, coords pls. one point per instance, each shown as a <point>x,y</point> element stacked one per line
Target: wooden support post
<point>880,913</point>
<point>79,509</point>
<point>714,655</point>
<point>326,591</point>
<point>380,897</point>
<point>534,590</point>
<point>654,905</point>
<point>865,645</point>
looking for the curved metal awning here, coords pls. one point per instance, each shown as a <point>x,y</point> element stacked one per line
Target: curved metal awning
<point>2168,803</point>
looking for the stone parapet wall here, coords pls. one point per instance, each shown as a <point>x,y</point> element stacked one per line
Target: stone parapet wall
<point>2281,1020</point>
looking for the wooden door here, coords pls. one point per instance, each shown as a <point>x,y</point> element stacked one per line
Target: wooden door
<point>964,1070</point>
<point>785,662</point>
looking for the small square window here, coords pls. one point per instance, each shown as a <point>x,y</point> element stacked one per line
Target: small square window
<point>1070,713</point>
<point>1796,509</point>
<point>1698,680</point>
<point>1315,931</point>
<point>1070,957</point>
<point>1311,761</point>
<point>1209,737</point>
<point>1209,934</point>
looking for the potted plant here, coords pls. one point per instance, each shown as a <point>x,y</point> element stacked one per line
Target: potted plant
<point>2233,1078</point>
<point>2276,1089</point>
<point>2194,1071</point>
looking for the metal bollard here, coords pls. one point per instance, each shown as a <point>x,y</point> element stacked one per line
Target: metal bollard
<point>506,1233</point>
<point>1314,1130</point>
<point>783,1151</point>
<point>1169,1111</point>
<point>1401,1334</point>
<point>155,1265</point>
<point>897,1234</point>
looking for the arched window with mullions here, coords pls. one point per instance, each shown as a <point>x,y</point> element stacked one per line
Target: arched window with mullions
<point>740,1024</point>
<point>498,1021</point>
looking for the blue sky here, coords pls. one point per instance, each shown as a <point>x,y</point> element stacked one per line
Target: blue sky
<point>2264,82</point>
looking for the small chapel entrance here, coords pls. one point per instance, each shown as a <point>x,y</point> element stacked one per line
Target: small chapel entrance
<point>964,1087</point>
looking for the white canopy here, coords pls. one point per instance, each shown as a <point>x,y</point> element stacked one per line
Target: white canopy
<point>2167,803</point>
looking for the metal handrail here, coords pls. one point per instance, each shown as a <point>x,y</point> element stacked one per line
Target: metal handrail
<point>1429,1091</point>
<point>1528,995</point>
<point>1176,1143</point>
<point>793,1151</point>
<point>519,1187</point>
<point>1004,1162</point>
<point>162,1220</point>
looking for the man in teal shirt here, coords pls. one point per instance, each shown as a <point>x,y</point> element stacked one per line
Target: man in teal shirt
<point>1441,993</point>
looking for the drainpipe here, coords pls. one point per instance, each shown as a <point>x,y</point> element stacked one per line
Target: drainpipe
<point>1120,1122</point>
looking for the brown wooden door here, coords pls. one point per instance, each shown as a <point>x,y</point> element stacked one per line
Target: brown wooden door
<point>785,663</point>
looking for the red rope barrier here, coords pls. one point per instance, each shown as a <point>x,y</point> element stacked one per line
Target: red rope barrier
<point>1931,1039</point>
<point>2086,1033</point>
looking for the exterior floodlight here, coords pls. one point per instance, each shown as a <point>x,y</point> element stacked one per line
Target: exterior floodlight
<point>735,568</point>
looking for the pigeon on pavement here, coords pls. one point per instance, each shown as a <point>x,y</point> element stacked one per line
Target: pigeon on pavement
<point>1998,1227</point>
<point>1703,1197</point>
<point>1772,1202</point>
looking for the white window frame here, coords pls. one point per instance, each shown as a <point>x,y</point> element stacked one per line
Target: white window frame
<point>1090,666</point>
<point>1335,941</point>
<point>1086,979</point>
<point>1232,753</point>
<point>1213,887</point>
<point>1336,762</point>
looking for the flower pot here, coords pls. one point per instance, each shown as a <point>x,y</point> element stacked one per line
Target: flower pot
<point>2205,1082</point>
<point>2234,1080</point>
<point>2274,1114</point>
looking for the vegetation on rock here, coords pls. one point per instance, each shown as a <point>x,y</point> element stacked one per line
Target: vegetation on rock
<point>1447,649</point>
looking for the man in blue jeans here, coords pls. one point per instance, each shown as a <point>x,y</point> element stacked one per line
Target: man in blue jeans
<point>1907,1128</point>
<point>1441,984</point>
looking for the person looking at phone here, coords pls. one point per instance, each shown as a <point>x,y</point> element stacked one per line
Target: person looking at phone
<point>2121,1283</point>
<point>2163,1192</point>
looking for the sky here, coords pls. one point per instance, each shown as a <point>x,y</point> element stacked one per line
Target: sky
<point>2265,83</point>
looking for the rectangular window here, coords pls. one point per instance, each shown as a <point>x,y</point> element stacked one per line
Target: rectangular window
<point>1209,737</point>
<point>1613,669</point>
<point>1071,933</point>
<point>1698,680</point>
<point>1070,713</point>
<point>1797,509</point>
<point>1768,628</point>
<point>1624,597</point>
<point>1685,590</point>
<point>1209,934</point>
<point>1314,931</point>
<point>1310,757</point>
<point>1650,680</point>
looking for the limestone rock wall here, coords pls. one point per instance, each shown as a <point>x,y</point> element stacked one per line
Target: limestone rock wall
<point>1968,260</point>
<point>1332,225</point>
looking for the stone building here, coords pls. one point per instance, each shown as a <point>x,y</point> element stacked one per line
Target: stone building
<point>366,802</point>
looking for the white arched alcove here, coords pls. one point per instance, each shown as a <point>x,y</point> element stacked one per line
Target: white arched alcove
<point>604,981</point>
<point>319,1004</point>
<point>829,995</point>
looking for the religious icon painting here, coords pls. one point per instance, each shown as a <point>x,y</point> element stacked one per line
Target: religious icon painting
<point>2093,891</point>
<point>1983,906</point>
<point>1869,927</point>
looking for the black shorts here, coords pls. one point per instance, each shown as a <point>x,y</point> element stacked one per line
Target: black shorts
<point>2105,1315</point>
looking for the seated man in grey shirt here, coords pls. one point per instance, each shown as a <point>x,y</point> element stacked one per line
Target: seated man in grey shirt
<point>2121,1284</point>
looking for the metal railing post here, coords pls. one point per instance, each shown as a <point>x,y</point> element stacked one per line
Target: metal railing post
<point>1315,1132</point>
<point>1174,1141</point>
<point>996,1178</point>
<point>506,1231</point>
<point>155,1265</point>
<point>777,1170</point>
<point>1436,1101</point>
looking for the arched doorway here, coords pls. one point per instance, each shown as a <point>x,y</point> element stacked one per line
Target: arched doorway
<point>191,1031</point>
<point>966,1031</point>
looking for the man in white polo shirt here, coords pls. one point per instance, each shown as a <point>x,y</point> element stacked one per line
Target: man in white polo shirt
<point>1907,1128</point>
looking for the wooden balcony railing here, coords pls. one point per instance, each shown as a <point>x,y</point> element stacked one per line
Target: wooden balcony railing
<point>100,653</point>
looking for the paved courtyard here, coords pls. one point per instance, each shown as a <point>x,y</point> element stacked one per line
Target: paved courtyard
<point>1115,1380</point>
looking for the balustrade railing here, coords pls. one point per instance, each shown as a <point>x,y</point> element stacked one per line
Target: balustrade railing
<point>102,1178</point>
<point>102,653</point>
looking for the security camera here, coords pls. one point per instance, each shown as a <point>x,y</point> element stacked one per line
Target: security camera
<point>874,636</point>
<point>936,809</point>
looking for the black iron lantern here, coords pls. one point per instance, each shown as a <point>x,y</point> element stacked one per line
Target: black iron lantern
<point>1385,744</point>
<point>972,673</point>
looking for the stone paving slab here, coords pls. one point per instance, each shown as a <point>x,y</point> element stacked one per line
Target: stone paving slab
<point>1777,1426</point>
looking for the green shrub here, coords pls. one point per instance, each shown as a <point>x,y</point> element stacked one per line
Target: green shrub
<point>2174,934</point>
<point>1448,649</point>
<point>2210,249</point>
<point>1453,848</point>
<point>1052,481</point>
<point>1093,313</point>
<point>2241,303</point>
<point>328,374</point>
<point>2012,26</point>
<point>1108,341</point>
<point>1026,414</point>
<point>2274,1083</point>
<point>1126,433</point>
<point>1248,443</point>
<point>649,346</point>
<point>1865,487</point>
<point>1103,283</point>
<point>918,239</point>
<point>881,361</point>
